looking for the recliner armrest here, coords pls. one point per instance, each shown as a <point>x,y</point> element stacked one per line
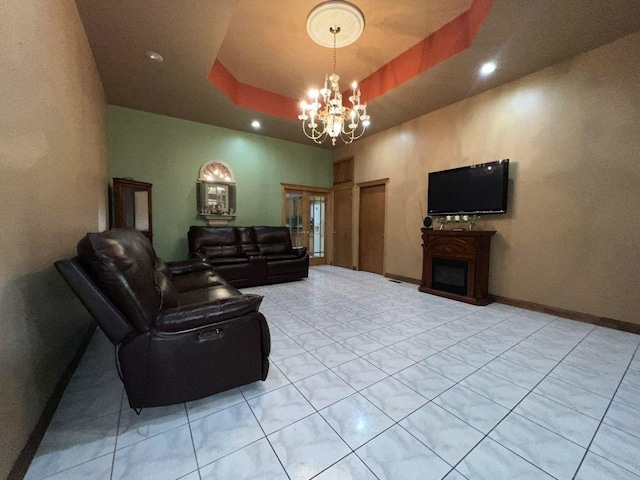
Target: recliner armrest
<point>299,251</point>
<point>187,266</point>
<point>198,315</point>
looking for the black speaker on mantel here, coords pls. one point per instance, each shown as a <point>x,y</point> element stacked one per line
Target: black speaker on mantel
<point>427,222</point>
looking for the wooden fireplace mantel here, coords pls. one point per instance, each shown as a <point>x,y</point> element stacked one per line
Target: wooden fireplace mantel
<point>470,246</point>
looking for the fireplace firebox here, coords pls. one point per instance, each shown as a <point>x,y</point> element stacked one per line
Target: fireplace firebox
<point>456,264</point>
<point>449,275</point>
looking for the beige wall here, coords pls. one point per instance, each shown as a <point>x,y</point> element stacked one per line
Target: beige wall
<point>572,132</point>
<point>53,184</point>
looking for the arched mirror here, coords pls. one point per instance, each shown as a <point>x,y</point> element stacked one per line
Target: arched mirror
<point>216,192</point>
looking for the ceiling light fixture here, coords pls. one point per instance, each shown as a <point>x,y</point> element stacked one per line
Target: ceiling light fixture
<point>325,116</point>
<point>488,68</point>
<point>255,124</point>
<point>154,57</point>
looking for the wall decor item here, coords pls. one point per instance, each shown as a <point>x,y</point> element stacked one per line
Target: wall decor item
<point>216,192</point>
<point>457,222</point>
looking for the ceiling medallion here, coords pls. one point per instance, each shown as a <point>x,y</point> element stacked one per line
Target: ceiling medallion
<point>334,24</point>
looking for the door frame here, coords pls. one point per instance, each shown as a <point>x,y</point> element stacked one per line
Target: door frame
<point>328,221</point>
<point>356,220</point>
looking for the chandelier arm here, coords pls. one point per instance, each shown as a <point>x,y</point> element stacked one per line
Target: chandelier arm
<point>314,134</point>
<point>352,133</point>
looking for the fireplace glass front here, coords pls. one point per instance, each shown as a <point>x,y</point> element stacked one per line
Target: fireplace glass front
<point>449,275</point>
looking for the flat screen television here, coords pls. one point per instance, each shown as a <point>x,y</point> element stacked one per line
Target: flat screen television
<point>469,190</point>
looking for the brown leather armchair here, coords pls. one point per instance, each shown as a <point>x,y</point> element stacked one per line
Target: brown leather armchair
<point>181,331</point>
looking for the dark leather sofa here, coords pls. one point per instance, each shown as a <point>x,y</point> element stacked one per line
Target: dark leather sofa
<point>181,331</point>
<point>249,256</point>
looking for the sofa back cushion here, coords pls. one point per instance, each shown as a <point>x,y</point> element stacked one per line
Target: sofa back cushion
<point>272,240</point>
<point>213,242</point>
<point>164,283</point>
<point>246,243</point>
<point>122,263</point>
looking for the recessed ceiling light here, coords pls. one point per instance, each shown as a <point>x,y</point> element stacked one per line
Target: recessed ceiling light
<point>154,57</point>
<point>488,68</point>
<point>255,124</point>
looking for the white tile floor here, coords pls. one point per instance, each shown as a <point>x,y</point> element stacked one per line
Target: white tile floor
<point>373,379</point>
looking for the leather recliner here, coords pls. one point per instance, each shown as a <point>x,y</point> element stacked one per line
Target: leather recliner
<point>181,331</point>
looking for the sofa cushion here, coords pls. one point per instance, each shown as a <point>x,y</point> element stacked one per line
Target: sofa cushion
<point>272,240</point>
<point>196,280</point>
<point>187,266</point>
<point>209,294</point>
<point>122,263</point>
<point>280,256</point>
<point>245,240</point>
<point>289,266</point>
<point>161,265</point>
<point>228,261</point>
<point>201,315</point>
<point>168,292</point>
<point>219,251</point>
<point>213,241</point>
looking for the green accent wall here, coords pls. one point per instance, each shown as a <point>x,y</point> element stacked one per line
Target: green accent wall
<point>168,152</point>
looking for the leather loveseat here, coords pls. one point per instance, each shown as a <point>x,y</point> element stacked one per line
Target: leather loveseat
<point>249,256</point>
<point>181,331</point>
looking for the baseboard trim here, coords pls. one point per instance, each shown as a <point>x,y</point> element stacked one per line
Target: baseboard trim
<point>414,281</point>
<point>570,314</point>
<point>557,312</point>
<point>21,465</point>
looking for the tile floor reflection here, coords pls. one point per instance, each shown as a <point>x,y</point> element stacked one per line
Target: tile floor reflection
<point>373,379</point>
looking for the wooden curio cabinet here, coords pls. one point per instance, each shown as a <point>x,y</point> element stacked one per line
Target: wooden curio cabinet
<point>132,206</point>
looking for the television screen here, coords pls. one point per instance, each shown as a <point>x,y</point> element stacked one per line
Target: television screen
<point>469,190</point>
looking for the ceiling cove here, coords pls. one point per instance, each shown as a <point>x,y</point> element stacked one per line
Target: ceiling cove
<point>452,38</point>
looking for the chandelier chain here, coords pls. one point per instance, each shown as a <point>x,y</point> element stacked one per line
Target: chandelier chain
<point>334,51</point>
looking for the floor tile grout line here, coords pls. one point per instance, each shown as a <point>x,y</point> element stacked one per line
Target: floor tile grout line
<point>316,411</point>
<point>595,433</point>
<point>457,383</point>
<point>487,434</point>
<point>193,442</point>
<point>266,437</point>
<point>497,356</point>
<point>115,444</point>
<point>530,391</point>
<point>410,413</point>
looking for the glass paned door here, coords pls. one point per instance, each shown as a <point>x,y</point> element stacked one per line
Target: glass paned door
<point>304,214</point>
<point>294,218</point>
<point>317,204</point>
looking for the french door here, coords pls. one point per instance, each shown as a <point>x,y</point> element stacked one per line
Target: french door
<point>304,213</point>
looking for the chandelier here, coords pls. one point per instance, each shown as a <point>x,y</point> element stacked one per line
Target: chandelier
<point>324,116</point>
